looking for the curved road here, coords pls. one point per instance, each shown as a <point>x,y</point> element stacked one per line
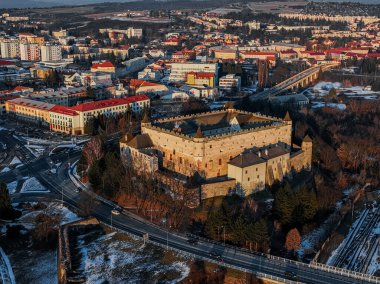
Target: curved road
<point>234,257</point>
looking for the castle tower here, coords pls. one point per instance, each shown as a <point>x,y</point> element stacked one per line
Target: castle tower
<point>263,73</point>
<point>199,133</point>
<point>307,148</point>
<point>288,120</point>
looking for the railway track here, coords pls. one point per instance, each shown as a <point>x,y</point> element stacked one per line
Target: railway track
<point>361,244</point>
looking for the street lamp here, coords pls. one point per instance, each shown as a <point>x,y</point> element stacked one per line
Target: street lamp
<point>111,221</point>
<point>224,234</point>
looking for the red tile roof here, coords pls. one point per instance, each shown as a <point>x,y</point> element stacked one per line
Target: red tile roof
<point>108,103</point>
<point>6,62</point>
<point>106,64</point>
<point>63,110</point>
<point>203,74</point>
<point>258,53</point>
<point>135,83</point>
<point>289,51</point>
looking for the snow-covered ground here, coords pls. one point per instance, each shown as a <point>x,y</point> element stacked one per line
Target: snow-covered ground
<point>113,258</point>
<point>12,187</point>
<point>15,161</point>
<point>36,150</point>
<point>4,170</point>
<point>362,256</point>
<point>37,265</point>
<point>323,104</point>
<point>321,89</point>
<point>32,185</point>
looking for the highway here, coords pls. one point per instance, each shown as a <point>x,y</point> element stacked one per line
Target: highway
<point>233,257</point>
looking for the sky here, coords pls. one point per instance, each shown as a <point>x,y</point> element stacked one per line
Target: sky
<point>41,3</point>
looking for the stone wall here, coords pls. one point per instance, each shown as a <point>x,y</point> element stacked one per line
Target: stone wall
<point>219,188</point>
<point>64,254</point>
<point>209,156</point>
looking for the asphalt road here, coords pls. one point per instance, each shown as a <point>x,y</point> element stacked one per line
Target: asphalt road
<point>60,183</point>
<point>283,86</point>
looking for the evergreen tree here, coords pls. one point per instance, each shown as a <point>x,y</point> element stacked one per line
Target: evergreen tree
<point>5,200</point>
<point>284,205</point>
<point>239,230</point>
<point>308,200</point>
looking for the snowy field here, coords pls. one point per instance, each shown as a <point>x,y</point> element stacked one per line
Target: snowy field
<point>323,104</point>
<point>116,258</point>
<point>322,89</point>
<point>34,265</point>
<point>32,185</point>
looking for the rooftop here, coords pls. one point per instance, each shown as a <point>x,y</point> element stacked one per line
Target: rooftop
<point>216,123</point>
<point>251,158</point>
<point>108,103</point>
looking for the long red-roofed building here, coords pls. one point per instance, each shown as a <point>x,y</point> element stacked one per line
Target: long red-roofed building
<point>72,120</point>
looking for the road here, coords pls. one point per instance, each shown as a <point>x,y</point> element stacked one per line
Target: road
<point>288,83</point>
<point>60,184</point>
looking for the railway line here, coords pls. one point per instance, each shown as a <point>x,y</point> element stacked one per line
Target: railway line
<point>361,244</point>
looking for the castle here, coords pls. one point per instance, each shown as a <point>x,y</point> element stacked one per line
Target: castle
<point>226,149</point>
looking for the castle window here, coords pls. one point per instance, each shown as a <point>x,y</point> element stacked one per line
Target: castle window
<point>206,166</point>
<point>258,177</point>
<point>220,162</point>
<point>210,146</point>
<point>249,179</point>
<point>171,158</point>
<point>257,169</point>
<point>246,171</point>
<point>180,160</point>
<point>174,152</point>
<point>163,154</point>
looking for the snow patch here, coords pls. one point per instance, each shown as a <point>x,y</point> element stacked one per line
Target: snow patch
<point>12,187</point>
<point>32,185</point>
<point>333,105</point>
<point>15,161</point>
<point>5,170</point>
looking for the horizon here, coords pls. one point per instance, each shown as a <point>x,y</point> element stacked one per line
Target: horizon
<point>24,4</point>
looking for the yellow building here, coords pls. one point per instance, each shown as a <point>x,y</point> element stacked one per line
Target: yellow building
<point>227,148</point>
<point>225,54</point>
<point>29,110</point>
<point>200,79</point>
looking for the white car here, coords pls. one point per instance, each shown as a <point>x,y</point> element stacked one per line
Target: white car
<point>115,212</point>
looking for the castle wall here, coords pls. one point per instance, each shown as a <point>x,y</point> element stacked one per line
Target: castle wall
<point>209,156</point>
<point>220,188</point>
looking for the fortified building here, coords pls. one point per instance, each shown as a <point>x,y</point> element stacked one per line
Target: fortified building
<point>226,149</point>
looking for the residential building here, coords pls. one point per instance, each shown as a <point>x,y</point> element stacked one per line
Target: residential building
<point>230,82</point>
<point>143,87</point>
<point>51,53</point>
<point>10,49</point>
<point>201,78</point>
<point>105,67</point>
<point>179,71</point>
<point>30,52</point>
<point>73,120</point>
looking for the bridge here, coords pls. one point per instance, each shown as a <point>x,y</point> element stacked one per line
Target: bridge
<point>299,80</point>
